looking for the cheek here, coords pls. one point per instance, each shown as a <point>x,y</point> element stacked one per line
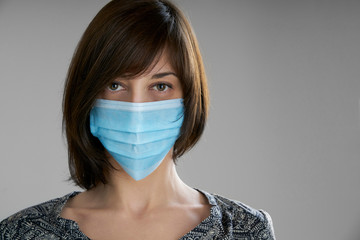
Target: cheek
<point>105,94</point>
<point>180,92</point>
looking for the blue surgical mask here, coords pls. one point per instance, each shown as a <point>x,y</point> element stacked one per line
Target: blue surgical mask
<point>137,135</point>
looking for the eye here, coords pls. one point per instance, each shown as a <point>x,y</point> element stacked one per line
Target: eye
<point>161,87</point>
<point>114,86</point>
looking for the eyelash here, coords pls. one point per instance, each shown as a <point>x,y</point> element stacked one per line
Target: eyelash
<point>110,85</point>
<point>167,85</point>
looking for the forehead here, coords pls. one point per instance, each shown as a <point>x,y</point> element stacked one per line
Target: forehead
<point>160,64</point>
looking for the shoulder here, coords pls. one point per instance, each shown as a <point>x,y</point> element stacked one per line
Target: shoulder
<point>38,218</point>
<point>240,220</point>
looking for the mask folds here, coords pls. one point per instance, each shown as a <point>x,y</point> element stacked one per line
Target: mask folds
<point>137,135</point>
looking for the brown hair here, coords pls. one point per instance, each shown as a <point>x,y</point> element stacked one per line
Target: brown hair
<point>126,37</point>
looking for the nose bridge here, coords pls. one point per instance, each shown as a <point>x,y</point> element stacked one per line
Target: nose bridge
<point>136,96</point>
<point>137,93</point>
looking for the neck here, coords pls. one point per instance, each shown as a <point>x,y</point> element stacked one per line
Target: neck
<point>161,188</point>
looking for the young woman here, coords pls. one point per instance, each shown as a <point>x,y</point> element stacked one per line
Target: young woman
<point>135,100</point>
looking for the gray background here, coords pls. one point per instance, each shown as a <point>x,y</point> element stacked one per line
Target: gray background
<point>284,127</point>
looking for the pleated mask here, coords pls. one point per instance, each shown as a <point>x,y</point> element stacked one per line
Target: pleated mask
<point>137,135</point>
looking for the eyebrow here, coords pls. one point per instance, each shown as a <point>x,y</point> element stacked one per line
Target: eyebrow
<point>163,74</point>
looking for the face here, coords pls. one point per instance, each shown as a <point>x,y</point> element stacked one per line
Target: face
<point>161,83</point>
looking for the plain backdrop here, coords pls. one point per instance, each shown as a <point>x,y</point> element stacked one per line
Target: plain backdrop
<point>284,127</point>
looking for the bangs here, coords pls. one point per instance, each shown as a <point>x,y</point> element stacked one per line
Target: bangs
<point>126,39</point>
<point>133,44</point>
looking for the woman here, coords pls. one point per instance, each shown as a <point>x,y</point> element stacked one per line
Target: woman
<point>135,100</point>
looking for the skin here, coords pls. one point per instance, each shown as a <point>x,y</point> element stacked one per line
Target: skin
<point>160,206</point>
